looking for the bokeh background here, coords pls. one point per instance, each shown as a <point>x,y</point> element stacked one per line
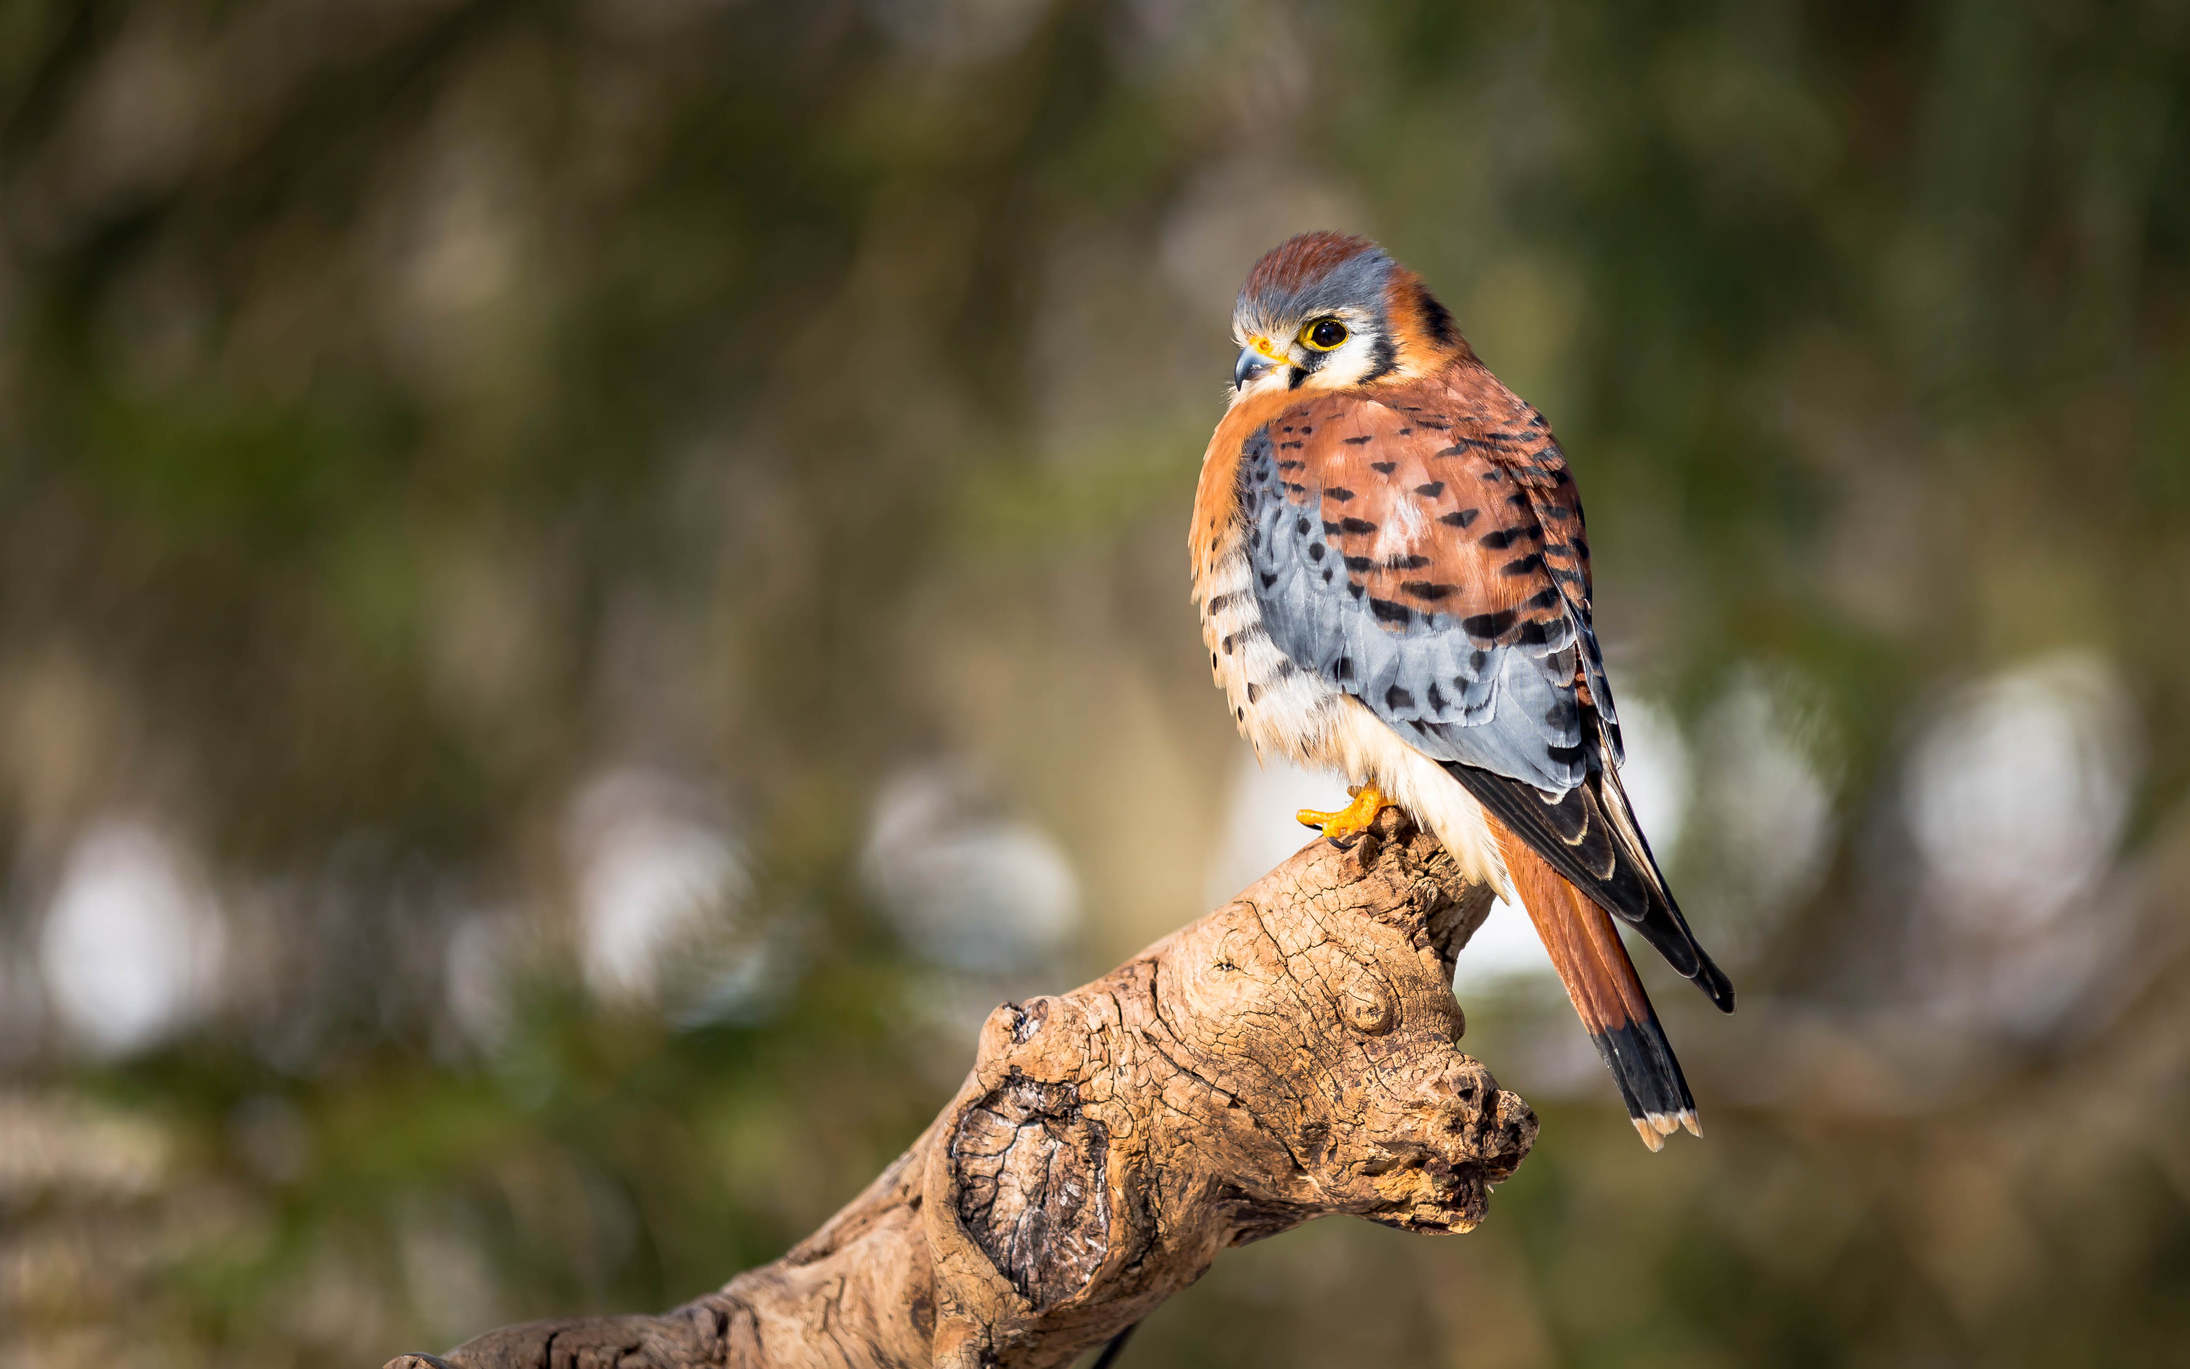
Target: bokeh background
<point>585,586</point>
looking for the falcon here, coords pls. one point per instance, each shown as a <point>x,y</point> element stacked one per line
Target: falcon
<point>1393,582</point>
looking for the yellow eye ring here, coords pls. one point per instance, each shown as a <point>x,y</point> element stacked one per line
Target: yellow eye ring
<point>1325,334</point>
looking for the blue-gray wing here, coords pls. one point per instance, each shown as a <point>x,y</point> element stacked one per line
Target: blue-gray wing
<point>1431,563</point>
<point>1425,553</point>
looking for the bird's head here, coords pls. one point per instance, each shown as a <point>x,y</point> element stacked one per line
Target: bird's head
<point>1329,311</point>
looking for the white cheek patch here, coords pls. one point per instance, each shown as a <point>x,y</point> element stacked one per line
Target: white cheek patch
<point>1348,364</point>
<point>1345,365</point>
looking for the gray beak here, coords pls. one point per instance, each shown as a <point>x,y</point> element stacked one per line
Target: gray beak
<point>1251,363</point>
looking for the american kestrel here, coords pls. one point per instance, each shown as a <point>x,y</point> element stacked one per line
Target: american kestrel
<point>1393,582</point>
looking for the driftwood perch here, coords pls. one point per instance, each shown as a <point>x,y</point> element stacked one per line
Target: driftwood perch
<point>1290,1055</point>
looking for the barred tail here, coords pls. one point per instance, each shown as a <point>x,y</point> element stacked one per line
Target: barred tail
<point>1585,949</point>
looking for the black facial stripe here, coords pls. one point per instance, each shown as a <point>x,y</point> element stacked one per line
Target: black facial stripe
<point>1436,319</point>
<point>1383,357</point>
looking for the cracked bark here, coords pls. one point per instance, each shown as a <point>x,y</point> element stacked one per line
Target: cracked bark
<point>1291,1055</point>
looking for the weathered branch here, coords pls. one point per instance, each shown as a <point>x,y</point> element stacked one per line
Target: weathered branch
<point>1290,1055</point>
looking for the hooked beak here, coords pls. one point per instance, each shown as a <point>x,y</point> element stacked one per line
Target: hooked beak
<point>1255,358</point>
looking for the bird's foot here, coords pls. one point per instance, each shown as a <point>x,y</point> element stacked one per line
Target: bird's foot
<point>1345,826</point>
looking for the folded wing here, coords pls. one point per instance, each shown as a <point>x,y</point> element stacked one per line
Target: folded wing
<point>1425,552</point>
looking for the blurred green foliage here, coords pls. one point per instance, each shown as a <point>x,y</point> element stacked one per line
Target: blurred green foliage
<point>409,412</point>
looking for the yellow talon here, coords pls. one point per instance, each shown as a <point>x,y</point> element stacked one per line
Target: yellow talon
<point>1352,820</point>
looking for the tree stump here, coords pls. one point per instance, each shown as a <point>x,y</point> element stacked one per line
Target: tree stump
<point>1290,1055</point>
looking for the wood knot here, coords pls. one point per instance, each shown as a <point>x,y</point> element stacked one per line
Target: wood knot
<point>1028,1019</point>
<point>1033,1189</point>
<point>1369,1012</point>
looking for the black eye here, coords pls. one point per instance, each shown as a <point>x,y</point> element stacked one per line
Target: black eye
<point>1324,334</point>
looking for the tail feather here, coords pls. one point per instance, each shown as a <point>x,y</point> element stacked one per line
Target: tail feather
<point>1585,949</point>
<point>1589,835</point>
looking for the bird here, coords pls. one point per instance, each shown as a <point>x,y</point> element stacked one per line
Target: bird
<point>1392,574</point>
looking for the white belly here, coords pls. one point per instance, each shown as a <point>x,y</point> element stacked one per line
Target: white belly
<point>1299,715</point>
